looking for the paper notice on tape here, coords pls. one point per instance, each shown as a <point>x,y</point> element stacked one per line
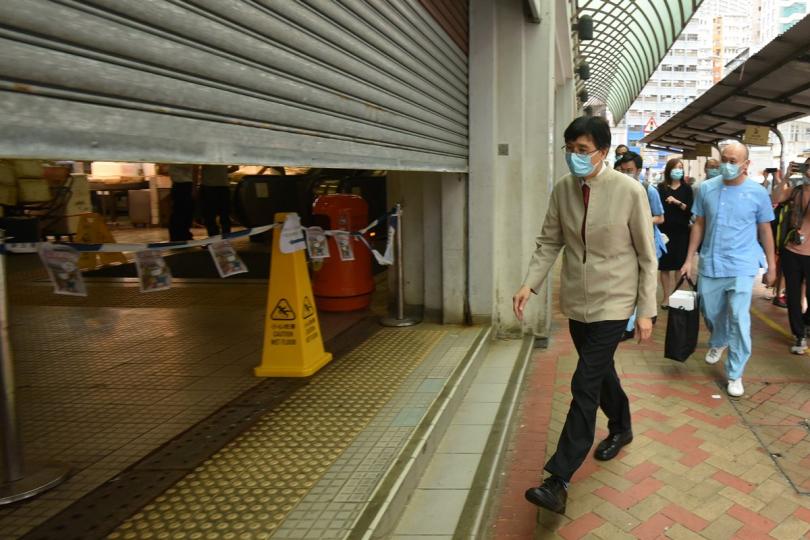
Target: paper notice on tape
<point>63,269</point>
<point>227,261</point>
<point>343,240</point>
<point>317,246</point>
<point>387,258</point>
<point>292,235</point>
<point>153,273</point>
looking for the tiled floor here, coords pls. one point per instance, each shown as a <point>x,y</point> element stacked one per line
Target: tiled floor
<point>700,466</point>
<point>314,462</point>
<point>104,380</point>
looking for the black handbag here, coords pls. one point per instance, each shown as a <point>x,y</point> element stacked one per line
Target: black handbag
<point>682,328</point>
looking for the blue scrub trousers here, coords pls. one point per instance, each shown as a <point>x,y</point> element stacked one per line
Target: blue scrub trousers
<point>726,306</point>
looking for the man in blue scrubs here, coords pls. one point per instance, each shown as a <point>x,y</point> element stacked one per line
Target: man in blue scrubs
<point>630,164</point>
<point>731,212</point>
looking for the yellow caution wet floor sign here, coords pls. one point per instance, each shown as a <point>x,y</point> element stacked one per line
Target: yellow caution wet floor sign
<point>93,230</point>
<point>293,345</point>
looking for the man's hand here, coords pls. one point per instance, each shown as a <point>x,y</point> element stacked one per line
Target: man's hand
<point>770,277</point>
<point>519,301</point>
<point>686,269</point>
<point>644,327</point>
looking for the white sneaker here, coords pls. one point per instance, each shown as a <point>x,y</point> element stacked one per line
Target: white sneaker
<point>714,354</point>
<point>799,346</point>
<point>735,388</point>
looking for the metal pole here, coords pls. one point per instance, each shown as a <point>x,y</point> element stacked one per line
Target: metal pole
<point>400,319</point>
<point>12,447</point>
<point>19,482</point>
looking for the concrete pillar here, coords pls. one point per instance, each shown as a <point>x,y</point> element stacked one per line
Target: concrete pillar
<point>432,246</point>
<point>483,150</point>
<point>454,248</point>
<point>511,155</point>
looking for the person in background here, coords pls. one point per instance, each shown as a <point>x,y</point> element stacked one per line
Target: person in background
<point>778,228</point>
<point>795,248</point>
<point>602,219</point>
<point>630,164</point>
<point>712,170</point>
<point>732,211</point>
<point>216,198</point>
<point>677,198</point>
<point>180,221</point>
<point>620,151</point>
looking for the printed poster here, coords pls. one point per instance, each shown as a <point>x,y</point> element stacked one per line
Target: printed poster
<point>317,245</point>
<point>63,269</point>
<point>343,240</point>
<point>226,259</point>
<point>153,272</point>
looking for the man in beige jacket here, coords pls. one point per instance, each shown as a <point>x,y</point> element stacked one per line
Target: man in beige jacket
<point>602,218</point>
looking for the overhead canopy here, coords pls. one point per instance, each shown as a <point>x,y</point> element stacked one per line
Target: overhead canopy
<point>631,38</point>
<point>770,88</point>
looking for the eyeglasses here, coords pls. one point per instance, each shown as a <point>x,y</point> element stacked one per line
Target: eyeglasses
<point>580,154</point>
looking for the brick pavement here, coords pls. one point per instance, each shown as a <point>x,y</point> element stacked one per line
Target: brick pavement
<point>701,465</point>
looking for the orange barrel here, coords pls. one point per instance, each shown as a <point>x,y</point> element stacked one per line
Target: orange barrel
<point>343,285</point>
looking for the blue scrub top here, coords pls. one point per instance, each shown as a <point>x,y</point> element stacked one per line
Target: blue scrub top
<point>657,208</point>
<point>732,213</point>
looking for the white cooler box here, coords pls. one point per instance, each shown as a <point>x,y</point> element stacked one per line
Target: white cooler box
<point>682,300</point>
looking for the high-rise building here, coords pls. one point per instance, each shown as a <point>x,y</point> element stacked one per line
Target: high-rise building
<point>721,35</point>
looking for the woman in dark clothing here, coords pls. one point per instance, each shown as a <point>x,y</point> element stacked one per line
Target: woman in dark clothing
<point>676,195</point>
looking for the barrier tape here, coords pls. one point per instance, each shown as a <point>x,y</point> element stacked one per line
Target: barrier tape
<point>33,247</point>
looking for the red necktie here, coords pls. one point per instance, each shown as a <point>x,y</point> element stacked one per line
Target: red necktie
<point>586,195</point>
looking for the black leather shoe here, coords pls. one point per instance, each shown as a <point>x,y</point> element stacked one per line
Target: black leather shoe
<point>551,495</point>
<point>608,448</point>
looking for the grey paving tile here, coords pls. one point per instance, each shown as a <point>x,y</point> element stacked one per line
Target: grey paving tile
<point>464,439</point>
<point>493,375</point>
<point>450,471</point>
<point>486,392</point>
<point>432,512</point>
<point>421,537</point>
<point>476,412</point>
<point>409,416</point>
<point>431,385</point>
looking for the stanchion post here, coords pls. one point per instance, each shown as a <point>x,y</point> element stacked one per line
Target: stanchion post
<point>400,319</point>
<point>17,483</point>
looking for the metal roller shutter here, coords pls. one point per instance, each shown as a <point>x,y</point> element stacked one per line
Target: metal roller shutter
<point>349,84</point>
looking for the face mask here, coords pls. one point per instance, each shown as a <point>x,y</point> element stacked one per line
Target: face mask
<point>712,172</point>
<point>730,171</point>
<point>579,165</point>
<point>676,174</point>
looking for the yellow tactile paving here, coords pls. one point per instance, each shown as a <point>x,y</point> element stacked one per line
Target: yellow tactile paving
<point>247,489</point>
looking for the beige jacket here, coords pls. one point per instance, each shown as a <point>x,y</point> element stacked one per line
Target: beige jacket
<point>614,270</point>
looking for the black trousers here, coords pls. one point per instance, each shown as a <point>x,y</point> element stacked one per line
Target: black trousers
<point>595,384</point>
<point>796,268</point>
<point>182,211</point>
<point>216,202</point>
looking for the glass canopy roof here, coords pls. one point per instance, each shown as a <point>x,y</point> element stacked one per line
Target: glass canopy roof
<point>631,38</point>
